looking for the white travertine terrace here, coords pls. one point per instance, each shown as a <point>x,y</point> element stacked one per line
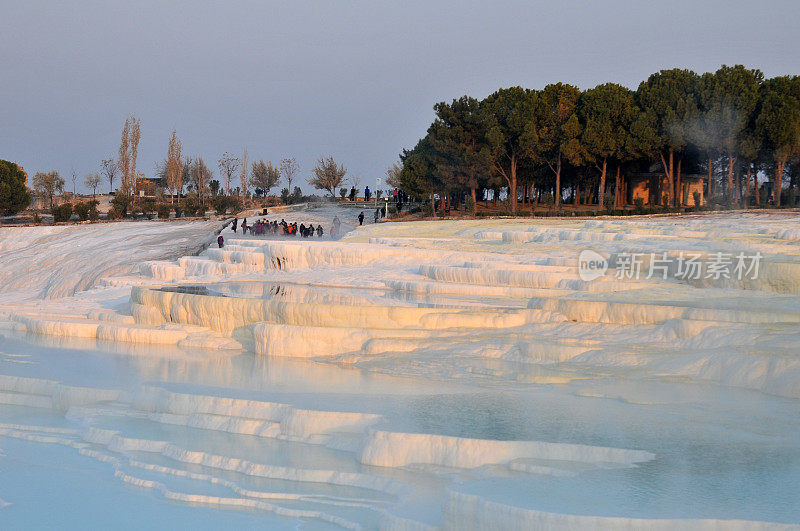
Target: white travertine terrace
<point>490,304</point>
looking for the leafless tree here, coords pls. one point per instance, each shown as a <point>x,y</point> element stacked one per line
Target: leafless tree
<point>265,176</point>
<point>393,175</point>
<point>244,173</point>
<point>74,176</point>
<point>228,164</point>
<point>48,184</point>
<point>110,169</point>
<point>174,166</point>
<point>200,175</point>
<point>327,175</point>
<point>92,181</point>
<point>289,169</point>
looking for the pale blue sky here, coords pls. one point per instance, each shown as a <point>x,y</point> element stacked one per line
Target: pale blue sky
<point>355,80</point>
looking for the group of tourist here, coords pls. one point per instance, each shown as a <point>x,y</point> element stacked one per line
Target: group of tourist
<point>398,196</point>
<point>275,227</point>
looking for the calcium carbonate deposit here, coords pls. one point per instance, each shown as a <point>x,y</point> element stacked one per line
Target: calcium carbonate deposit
<point>638,373</point>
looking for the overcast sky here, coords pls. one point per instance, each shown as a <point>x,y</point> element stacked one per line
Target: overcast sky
<point>355,80</point>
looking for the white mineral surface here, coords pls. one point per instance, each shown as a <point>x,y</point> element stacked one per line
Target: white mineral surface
<point>428,375</point>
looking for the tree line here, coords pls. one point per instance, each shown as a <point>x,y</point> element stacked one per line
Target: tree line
<point>177,178</point>
<point>731,125</point>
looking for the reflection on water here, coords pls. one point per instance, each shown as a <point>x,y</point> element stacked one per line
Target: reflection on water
<point>191,289</point>
<point>720,452</point>
<point>346,296</point>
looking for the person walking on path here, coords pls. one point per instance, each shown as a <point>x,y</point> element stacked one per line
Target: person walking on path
<point>366,193</point>
<point>377,214</point>
<point>235,223</point>
<point>244,226</point>
<point>361,218</point>
<point>221,241</point>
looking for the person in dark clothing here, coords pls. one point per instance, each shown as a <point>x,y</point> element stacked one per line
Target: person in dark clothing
<point>366,193</point>
<point>361,218</point>
<point>235,223</point>
<point>377,214</point>
<point>221,241</point>
<point>353,193</point>
<point>302,230</point>
<point>319,231</point>
<point>383,211</point>
<point>244,226</point>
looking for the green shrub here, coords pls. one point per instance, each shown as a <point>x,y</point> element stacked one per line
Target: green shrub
<point>342,192</point>
<point>94,214</point>
<point>163,211</point>
<point>697,199</point>
<point>121,203</point>
<point>178,210</point>
<point>191,205</point>
<point>82,210</point>
<point>62,213</point>
<point>232,204</point>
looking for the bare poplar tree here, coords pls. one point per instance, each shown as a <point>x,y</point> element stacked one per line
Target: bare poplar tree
<point>136,134</point>
<point>128,151</point>
<point>125,158</point>
<point>244,172</point>
<point>74,177</point>
<point>228,164</point>
<point>327,175</point>
<point>289,169</point>
<point>174,166</point>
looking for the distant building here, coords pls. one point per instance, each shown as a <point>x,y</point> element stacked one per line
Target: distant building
<point>145,187</point>
<point>650,188</point>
